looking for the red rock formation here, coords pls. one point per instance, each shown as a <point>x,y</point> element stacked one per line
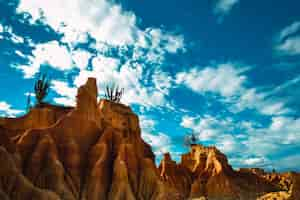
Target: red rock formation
<point>175,176</point>
<point>13,185</point>
<point>42,117</point>
<point>295,187</point>
<point>212,177</point>
<point>95,151</point>
<point>289,183</point>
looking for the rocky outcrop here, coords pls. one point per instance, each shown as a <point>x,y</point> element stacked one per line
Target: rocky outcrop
<point>290,190</point>
<point>95,151</point>
<point>92,151</point>
<point>42,117</point>
<point>13,185</point>
<point>176,176</point>
<point>211,177</point>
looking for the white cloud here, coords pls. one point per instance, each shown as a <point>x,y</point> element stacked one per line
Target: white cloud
<point>229,81</point>
<point>153,43</point>
<point>104,69</point>
<point>254,161</point>
<point>29,71</point>
<point>207,127</point>
<point>188,122</point>
<point>228,144</point>
<point>253,145</point>
<point>104,20</point>
<point>66,101</point>
<point>7,110</point>
<point>19,53</point>
<point>12,36</point>
<point>246,161</point>
<point>285,85</point>
<point>147,124</point>
<point>282,134</point>
<point>224,133</point>
<point>67,94</point>
<point>81,58</point>
<point>162,81</point>
<point>15,38</point>
<point>276,108</point>
<point>129,76</point>
<point>157,37</point>
<point>110,26</point>
<point>52,53</point>
<point>288,126</point>
<point>290,46</point>
<point>109,71</point>
<point>223,7</point>
<point>161,143</point>
<point>225,79</point>
<point>289,30</point>
<point>63,89</point>
<point>288,42</point>
<point>252,99</point>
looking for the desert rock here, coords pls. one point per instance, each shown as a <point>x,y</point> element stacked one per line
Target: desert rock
<point>94,151</point>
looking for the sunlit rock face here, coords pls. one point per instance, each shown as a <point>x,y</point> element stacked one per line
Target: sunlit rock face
<point>176,176</point>
<point>204,173</point>
<point>94,151</point>
<point>91,151</point>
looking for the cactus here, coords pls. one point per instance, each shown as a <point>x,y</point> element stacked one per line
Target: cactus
<point>114,94</point>
<point>28,107</point>
<point>190,139</point>
<point>41,89</point>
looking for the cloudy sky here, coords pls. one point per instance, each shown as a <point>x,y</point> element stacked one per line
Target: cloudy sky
<point>228,70</point>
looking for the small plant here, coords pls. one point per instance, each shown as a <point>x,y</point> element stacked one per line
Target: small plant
<point>190,139</point>
<point>114,94</point>
<point>41,89</point>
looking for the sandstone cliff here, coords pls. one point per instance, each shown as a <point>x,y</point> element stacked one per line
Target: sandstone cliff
<point>205,173</point>
<point>92,151</point>
<point>95,151</point>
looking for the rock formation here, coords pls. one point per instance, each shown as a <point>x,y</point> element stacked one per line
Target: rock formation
<point>175,176</point>
<point>95,151</point>
<point>209,175</point>
<point>92,151</point>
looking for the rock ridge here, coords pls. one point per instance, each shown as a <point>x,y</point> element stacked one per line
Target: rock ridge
<point>94,151</point>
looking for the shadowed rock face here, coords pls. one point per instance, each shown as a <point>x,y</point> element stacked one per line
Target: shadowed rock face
<point>95,151</point>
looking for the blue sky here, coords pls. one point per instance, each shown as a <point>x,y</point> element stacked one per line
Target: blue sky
<point>227,70</point>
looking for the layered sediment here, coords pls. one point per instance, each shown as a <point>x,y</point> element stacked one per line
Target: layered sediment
<point>94,151</point>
